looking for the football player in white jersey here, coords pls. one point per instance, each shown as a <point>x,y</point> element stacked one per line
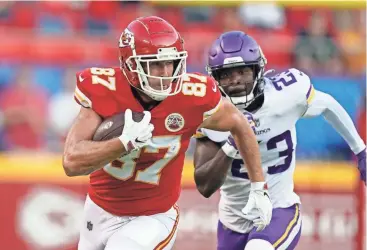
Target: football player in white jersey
<point>276,104</point>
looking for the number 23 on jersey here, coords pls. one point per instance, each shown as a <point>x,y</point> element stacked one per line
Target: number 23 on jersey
<point>272,143</point>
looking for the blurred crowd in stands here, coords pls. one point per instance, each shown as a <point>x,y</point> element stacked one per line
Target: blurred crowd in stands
<point>36,95</point>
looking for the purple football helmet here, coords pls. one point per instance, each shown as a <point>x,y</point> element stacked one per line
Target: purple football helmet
<point>236,49</point>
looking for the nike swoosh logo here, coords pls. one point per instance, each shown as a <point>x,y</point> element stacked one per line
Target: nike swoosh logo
<point>215,88</point>
<point>81,78</point>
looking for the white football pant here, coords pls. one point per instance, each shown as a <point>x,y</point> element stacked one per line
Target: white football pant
<point>104,231</point>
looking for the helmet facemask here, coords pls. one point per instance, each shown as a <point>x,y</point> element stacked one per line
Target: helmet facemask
<point>258,68</point>
<point>164,54</point>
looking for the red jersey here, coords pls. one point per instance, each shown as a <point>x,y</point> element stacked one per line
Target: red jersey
<point>147,181</point>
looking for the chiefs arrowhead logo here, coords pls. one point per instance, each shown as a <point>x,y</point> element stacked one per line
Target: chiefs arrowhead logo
<point>126,39</point>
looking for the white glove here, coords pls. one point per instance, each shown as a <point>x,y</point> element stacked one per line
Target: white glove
<point>258,208</point>
<point>136,134</point>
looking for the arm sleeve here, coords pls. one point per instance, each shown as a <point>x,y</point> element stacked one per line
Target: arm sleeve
<point>325,105</point>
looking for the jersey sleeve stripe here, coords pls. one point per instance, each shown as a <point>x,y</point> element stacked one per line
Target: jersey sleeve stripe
<point>82,99</point>
<point>209,113</point>
<point>310,94</point>
<point>198,135</point>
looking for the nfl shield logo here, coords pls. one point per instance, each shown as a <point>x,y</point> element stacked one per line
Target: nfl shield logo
<point>257,122</point>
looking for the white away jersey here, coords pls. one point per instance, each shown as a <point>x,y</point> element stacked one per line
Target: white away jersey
<point>286,97</point>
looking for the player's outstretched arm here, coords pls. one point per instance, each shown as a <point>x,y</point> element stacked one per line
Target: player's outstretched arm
<point>229,118</point>
<point>325,105</point>
<point>211,166</point>
<point>81,155</point>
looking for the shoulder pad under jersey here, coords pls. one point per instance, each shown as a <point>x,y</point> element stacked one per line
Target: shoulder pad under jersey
<point>94,83</point>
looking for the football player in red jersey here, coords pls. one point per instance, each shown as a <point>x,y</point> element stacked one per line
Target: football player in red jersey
<point>131,199</point>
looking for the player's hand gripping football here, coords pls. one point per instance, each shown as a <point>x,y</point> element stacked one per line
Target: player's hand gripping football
<point>258,208</point>
<point>362,165</point>
<point>136,135</point>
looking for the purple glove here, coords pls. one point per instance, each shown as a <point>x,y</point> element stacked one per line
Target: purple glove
<point>362,164</point>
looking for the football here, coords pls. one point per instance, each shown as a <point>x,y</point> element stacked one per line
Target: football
<point>112,126</point>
